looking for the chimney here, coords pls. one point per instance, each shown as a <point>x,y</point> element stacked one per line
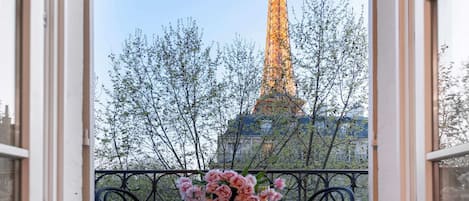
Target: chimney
<point>7,113</point>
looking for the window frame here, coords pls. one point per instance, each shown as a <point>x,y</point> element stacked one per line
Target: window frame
<point>459,150</point>
<point>21,151</point>
<point>435,154</point>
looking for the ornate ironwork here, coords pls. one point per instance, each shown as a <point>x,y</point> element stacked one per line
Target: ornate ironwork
<point>160,185</point>
<point>333,193</point>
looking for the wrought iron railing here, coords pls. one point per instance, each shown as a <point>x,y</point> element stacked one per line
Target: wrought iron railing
<point>160,185</point>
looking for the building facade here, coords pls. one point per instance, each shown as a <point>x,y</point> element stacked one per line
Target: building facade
<point>8,168</point>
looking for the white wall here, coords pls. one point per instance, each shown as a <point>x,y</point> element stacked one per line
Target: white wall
<point>56,77</point>
<point>36,119</point>
<point>394,130</point>
<point>73,97</point>
<point>404,100</point>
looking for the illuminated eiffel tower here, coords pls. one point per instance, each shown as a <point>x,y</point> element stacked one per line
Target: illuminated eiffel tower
<point>278,90</point>
<point>277,109</point>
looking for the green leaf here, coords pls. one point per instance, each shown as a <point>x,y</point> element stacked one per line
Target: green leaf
<point>245,171</point>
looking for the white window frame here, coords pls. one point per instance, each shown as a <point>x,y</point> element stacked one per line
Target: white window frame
<point>434,154</point>
<point>400,91</point>
<point>401,129</point>
<point>55,101</point>
<point>21,73</point>
<point>21,152</point>
<point>68,171</point>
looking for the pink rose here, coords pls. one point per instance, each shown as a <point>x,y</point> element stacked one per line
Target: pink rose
<point>241,198</point>
<point>247,190</point>
<point>184,186</point>
<point>183,180</point>
<point>213,175</point>
<point>279,183</point>
<point>238,181</point>
<point>222,199</point>
<point>251,179</point>
<point>263,195</point>
<point>228,174</point>
<point>223,191</point>
<point>276,196</point>
<point>194,193</point>
<point>266,194</point>
<point>252,198</point>
<point>211,187</point>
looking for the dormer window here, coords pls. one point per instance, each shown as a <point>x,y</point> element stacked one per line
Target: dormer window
<point>266,126</point>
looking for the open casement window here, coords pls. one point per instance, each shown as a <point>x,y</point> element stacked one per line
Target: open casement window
<point>450,155</point>
<point>12,125</point>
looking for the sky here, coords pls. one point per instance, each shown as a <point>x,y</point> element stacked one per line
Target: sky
<point>221,20</point>
<point>7,57</point>
<point>453,32</point>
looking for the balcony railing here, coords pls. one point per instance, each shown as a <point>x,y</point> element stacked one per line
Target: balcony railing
<point>160,185</point>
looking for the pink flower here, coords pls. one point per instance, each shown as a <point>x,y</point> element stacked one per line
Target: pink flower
<point>182,180</point>
<point>263,196</point>
<point>247,190</point>
<point>228,174</point>
<point>184,186</point>
<point>266,194</point>
<point>211,187</point>
<point>238,181</point>
<point>276,196</point>
<point>251,179</point>
<point>279,183</point>
<point>247,198</point>
<point>194,193</point>
<point>221,199</point>
<point>252,198</point>
<point>213,175</point>
<point>241,198</point>
<point>223,191</point>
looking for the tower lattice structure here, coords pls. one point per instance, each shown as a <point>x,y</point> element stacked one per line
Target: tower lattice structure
<point>278,90</point>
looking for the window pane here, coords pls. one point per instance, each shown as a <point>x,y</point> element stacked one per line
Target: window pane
<point>453,73</point>
<point>8,73</point>
<point>9,179</point>
<point>454,179</point>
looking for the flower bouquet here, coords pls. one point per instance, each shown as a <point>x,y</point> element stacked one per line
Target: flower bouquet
<point>228,185</point>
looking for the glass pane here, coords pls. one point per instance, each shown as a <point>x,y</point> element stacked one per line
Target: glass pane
<point>9,179</point>
<point>453,73</point>
<point>8,73</point>
<point>454,179</point>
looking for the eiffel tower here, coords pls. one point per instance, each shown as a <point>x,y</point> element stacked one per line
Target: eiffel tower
<point>277,109</point>
<point>278,90</point>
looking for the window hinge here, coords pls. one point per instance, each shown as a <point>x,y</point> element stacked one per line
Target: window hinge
<point>44,19</point>
<point>374,143</point>
<point>86,138</point>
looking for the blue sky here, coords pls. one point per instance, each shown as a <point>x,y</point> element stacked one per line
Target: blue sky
<point>221,20</point>
<point>114,20</point>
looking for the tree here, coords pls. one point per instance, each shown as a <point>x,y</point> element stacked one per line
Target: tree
<point>173,96</point>
<point>158,101</point>
<point>453,101</point>
<point>242,67</point>
<point>330,54</point>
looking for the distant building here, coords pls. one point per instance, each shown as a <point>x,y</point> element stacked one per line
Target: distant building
<point>256,138</point>
<point>7,129</point>
<point>7,166</point>
<point>277,126</point>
